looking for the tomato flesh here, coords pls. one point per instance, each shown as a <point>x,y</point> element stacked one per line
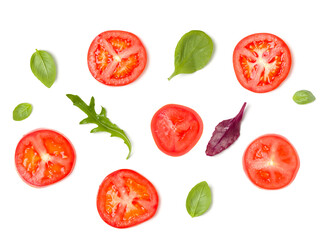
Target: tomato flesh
<point>126,198</point>
<point>261,62</point>
<point>116,58</point>
<point>44,157</point>
<point>176,129</point>
<point>271,162</point>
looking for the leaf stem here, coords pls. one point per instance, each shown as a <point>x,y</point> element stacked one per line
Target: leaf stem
<point>173,75</point>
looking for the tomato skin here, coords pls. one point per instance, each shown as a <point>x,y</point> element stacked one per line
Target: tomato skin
<point>116,58</point>
<point>123,188</point>
<point>271,162</point>
<point>57,165</point>
<point>274,71</point>
<point>169,122</point>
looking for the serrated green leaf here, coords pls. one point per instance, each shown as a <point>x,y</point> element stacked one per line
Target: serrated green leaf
<point>92,104</point>
<point>86,121</point>
<point>103,122</point>
<point>98,129</point>
<point>43,67</point>
<point>103,112</point>
<point>199,199</point>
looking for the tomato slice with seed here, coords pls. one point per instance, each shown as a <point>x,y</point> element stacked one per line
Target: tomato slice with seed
<point>271,162</point>
<point>126,198</point>
<point>44,157</point>
<point>176,129</point>
<point>261,62</point>
<point>116,58</point>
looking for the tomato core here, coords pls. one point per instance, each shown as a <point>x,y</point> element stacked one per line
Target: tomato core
<point>271,65</point>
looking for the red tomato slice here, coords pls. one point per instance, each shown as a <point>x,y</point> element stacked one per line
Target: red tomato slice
<point>116,58</point>
<point>126,198</point>
<point>44,157</point>
<point>261,61</point>
<point>176,129</point>
<point>271,162</point>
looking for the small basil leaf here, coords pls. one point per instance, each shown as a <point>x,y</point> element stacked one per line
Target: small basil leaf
<point>225,134</point>
<point>192,52</point>
<point>199,199</point>
<point>303,97</point>
<point>22,111</point>
<point>43,67</point>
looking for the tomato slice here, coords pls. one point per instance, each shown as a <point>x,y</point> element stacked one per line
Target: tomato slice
<point>176,129</point>
<point>271,162</point>
<point>44,157</point>
<point>261,62</point>
<point>116,58</point>
<point>126,198</point>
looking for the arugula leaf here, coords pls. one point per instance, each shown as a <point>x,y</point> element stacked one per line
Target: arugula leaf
<point>104,124</point>
<point>43,67</point>
<point>192,52</point>
<point>22,111</point>
<point>199,199</point>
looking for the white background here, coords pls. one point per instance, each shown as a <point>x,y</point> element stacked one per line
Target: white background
<point>67,210</point>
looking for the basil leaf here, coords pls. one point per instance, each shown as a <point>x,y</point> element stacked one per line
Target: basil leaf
<point>22,111</point>
<point>192,52</point>
<point>43,67</point>
<point>199,199</point>
<point>303,97</point>
<point>225,134</point>
<point>104,124</point>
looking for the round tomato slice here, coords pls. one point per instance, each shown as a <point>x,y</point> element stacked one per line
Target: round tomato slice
<point>116,58</point>
<point>126,198</point>
<point>44,157</point>
<point>176,129</point>
<point>271,162</point>
<point>261,62</point>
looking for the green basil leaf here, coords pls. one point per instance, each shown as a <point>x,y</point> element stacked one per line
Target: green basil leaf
<point>303,97</point>
<point>22,111</point>
<point>199,199</point>
<point>43,67</point>
<point>103,122</point>
<point>192,52</point>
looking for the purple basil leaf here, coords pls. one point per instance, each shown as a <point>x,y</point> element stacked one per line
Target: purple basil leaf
<point>225,134</point>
